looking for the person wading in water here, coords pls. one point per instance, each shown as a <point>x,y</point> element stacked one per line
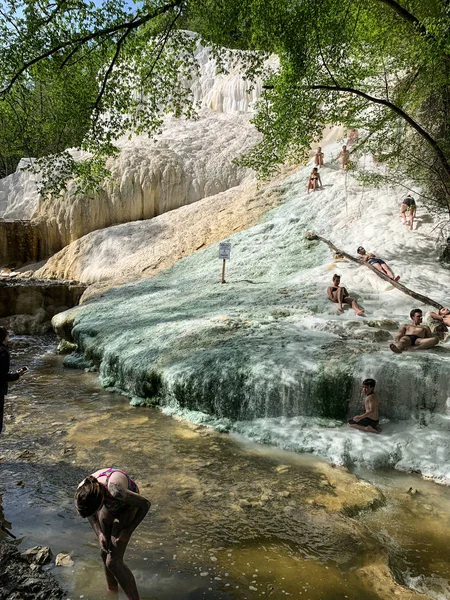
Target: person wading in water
<point>5,375</point>
<point>111,502</point>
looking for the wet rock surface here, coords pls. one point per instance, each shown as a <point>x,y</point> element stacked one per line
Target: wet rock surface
<point>28,305</point>
<point>22,580</point>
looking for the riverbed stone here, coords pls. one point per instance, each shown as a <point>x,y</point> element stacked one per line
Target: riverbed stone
<point>20,581</point>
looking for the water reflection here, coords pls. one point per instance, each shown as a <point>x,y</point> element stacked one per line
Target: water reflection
<point>228,520</point>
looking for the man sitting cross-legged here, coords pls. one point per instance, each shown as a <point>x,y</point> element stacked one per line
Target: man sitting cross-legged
<point>337,293</point>
<point>415,335</point>
<point>369,420</point>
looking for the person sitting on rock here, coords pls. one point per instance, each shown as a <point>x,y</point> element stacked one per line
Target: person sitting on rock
<point>337,293</point>
<point>440,322</point>
<point>318,157</point>
<point>314,180</point>
<point>369,421</point>
<point>378,263</point>
<point>408,206</point>
<point>414,335</point>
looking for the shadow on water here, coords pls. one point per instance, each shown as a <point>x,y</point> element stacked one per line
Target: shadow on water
<point>227,521</point>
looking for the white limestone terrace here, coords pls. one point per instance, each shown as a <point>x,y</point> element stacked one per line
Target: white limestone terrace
<point>266,355</point>
<point>19,196</point>
<point>188,161</point>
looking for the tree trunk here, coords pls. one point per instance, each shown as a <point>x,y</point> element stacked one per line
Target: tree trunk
<point>312,236</point>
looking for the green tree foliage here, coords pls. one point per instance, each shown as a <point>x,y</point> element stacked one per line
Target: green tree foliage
<point>77,74</point>
<point>381,66</point>
<point>46,112</point>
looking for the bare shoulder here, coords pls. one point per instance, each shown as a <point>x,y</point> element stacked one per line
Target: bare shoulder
<point>118,478</point>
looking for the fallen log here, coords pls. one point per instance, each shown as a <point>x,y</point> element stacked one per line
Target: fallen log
<point>313,236</point>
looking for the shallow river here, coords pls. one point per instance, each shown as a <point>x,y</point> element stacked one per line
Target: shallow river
<point>229,520</point>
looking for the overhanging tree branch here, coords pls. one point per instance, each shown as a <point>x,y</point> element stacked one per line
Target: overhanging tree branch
<point>410,18</point>
<point>130,25</point>
<point>420,130</point>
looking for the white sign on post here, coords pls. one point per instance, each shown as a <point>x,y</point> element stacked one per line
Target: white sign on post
<point>224,250</point>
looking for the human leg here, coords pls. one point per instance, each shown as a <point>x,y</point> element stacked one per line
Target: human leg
<point>424,344</point>
<point>403,343</point>
<point>114,561</point>
<point>111,581</point>
<point>386,270</point>
<point>352,302</point>
<point>106,525</point>
<point>340,297</point>
<point>403,210</point>
<point>412,214</point>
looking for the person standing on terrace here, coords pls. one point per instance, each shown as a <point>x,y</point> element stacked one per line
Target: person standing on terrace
<point>5,375</point>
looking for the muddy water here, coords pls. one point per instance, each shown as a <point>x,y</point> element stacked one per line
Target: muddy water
<point>229,520</point>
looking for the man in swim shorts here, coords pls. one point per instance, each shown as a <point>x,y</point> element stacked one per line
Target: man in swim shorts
<point>337,293</point>
<point>377,263</point>
<point>414,336</point>
<point>369,420</point>
<point>408,206</point>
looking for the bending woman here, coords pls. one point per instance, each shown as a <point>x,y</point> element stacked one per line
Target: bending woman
<point>111,502</point>
<point>378,263</point>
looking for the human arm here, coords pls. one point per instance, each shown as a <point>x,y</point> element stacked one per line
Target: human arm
<point>401,333</point>
<point>329,293</point>
<point>428,332</point>
<point>105,541</point>
<point>437,317</point>
<point>133,500</point>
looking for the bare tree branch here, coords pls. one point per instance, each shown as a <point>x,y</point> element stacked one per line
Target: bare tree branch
<point>163,45</point>
<point>312,236</point>
<point>130,25</point>
<point>107,74</point>
<point>420,130</point>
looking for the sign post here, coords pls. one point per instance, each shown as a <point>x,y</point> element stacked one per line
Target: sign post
<point>224,254</point>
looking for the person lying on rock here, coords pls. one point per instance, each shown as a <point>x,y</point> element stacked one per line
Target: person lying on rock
<point>439,323</point>
<point>111,502</point>
<point>414,335</point>
<point>369,421</point>
<point>378,263</point>
<point>337,293</point>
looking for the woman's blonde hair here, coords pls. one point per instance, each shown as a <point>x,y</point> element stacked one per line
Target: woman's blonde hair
<point>89,496</point>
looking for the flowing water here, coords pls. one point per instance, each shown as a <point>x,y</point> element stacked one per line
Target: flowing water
<point>229,519</point>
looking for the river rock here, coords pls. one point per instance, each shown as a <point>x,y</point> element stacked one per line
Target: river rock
<point>63,560</point>
<point>38,554</point>
<point>22,581</point>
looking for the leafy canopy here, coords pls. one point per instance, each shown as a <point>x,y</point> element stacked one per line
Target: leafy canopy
<point>381,66</point>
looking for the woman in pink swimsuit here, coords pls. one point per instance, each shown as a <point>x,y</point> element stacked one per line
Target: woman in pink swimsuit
<point>111,502</point>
